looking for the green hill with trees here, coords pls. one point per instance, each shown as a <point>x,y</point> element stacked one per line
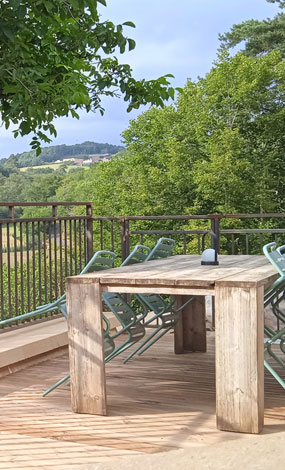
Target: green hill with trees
<point>61,152</point>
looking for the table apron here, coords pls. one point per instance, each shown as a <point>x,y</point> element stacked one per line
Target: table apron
<point>148,289</point>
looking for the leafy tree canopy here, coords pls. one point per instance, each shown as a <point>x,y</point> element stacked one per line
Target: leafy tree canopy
<point>57,56</point>
<point>260,37</point>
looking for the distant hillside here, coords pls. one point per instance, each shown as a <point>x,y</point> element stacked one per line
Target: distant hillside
<point>60,152</point>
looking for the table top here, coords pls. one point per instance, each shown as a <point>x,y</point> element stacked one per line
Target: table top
<point>186,270</point>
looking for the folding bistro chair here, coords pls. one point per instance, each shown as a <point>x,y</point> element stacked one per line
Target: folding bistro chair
<point>273,296</point>
<point>162,249</point>
<point>100,260</point>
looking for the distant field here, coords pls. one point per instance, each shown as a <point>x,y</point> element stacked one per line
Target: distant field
<point>54,166</point>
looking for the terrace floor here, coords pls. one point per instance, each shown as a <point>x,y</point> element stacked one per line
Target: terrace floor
<point>158,402</point>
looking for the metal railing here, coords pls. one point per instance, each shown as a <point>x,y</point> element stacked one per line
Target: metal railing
<point>247,235</point>
<point>38,253</point>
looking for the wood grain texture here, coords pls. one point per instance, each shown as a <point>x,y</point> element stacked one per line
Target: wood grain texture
<point>239,316</point>
<point>86,348</point>
<point>239,358</point>
<point>157,402</point>
<point>190,331</point>
<point>185,270</point>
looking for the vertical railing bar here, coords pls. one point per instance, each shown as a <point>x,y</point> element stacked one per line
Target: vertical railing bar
<point>28,267</point>
<point>9,269</point>
<point>261,242</point>
<point>75,247</point>
<point>246,243</point>
<point>45,258</point>
<point>112,236</point>
<point>55,259</point>
<point>79,245</point>
<point>199,244</point>
<point>1,275</point>
<point>184,244</point>
<point>89,232</point>
<point>39,263</point>
<point>60,257</point>
<point>65,249</point>
<point>15,268</point>
<point>50,262</point>
<point>101,235</point>
<point>85,240</point>
<point>34,265</point>
<point>233,244</point>
<point>70,248</point>
<point>21,268</point>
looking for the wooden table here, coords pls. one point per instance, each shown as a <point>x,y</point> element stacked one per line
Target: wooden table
<point>238,286</point>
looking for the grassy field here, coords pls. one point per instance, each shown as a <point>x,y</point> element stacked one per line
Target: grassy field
<point>54,166</point>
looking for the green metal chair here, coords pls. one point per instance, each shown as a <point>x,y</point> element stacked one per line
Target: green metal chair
<point>130,321</point>
<point>109,347</point>
<point>273,296</point>
<point>128,318</point>
<point>275,256</point>
<point>137,255</point>
<point>102,259</point>
<point>162,249</point>
<point>164,313</point>
<point>274,338</point>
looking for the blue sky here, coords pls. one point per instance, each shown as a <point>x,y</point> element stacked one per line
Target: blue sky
<point>172,37</point>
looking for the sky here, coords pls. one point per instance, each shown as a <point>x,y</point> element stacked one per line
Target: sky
<point>179,37</point>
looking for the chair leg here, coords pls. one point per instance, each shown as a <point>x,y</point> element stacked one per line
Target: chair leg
<point>275,375</point>
<point>119,350</point>
<point>57,384</point>
<point>143,344</point>
<point>155,340</point>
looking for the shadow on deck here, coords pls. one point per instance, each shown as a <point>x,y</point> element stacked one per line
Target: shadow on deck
<point>156,403</point>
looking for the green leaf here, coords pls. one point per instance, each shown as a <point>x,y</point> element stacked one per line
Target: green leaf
<point>129,23</point>
<point>8,33</point>
<point>132,44</point>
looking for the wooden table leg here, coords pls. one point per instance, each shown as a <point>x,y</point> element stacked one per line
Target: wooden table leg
<point>239,358</point>
<point>86,347</point>
<point>190,331</point>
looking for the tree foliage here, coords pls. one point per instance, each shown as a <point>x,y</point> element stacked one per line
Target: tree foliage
<point>221,149</point>
<point>57,56</point>
<point>59,152</point>
<point>259,37</point>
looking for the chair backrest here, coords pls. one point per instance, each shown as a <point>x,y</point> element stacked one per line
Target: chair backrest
<point>154,303</point>
<point>281,250</point>
<point>138,255</point>
<point>123,312</point>
<point>275,257</point>
<point>101,260</point>
<point>162,249</point>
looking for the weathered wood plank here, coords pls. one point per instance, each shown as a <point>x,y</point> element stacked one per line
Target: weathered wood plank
<point>190,331</point>
<point>86,348</point>
<point>239,358</point>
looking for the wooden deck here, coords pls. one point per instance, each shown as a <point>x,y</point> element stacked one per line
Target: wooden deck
<point>157,402</point>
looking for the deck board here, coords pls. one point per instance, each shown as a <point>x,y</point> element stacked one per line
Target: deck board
<point>156,403</point>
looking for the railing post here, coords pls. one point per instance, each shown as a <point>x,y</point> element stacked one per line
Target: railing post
<point>11,211</point>
<point>215,227</point>
<point>89,231</point>
<point>125,237</point>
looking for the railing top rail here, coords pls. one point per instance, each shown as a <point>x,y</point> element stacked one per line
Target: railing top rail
<point>206,217</point>
<point>44,219</point>
<point>26,204</point>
